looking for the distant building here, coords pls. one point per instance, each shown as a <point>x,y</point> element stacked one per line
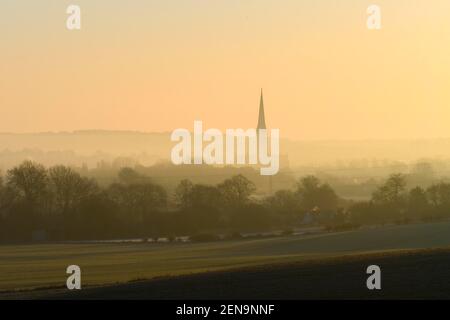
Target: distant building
<point>284,158</point>
<point>261,116</point>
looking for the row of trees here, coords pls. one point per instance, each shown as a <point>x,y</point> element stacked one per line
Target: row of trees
<point>64,205</point>
<point>67,206</point>
<point>393,202</point>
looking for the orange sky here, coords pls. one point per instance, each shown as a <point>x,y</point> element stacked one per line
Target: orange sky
<point>160,65</point>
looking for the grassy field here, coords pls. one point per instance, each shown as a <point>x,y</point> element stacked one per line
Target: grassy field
<point>36,266</point>
<point>406,274</point>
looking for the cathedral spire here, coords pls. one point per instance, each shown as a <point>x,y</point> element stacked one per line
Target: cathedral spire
<point>261,117</point>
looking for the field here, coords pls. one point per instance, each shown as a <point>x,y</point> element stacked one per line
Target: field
<point>312,260</point>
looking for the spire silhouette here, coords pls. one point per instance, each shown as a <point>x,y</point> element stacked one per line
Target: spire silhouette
<point>261,117</point>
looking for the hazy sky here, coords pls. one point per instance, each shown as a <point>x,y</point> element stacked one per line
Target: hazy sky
<point>159,65</point>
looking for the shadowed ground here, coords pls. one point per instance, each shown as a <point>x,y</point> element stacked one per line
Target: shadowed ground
<point>320,266</point>
<point>418,274</point>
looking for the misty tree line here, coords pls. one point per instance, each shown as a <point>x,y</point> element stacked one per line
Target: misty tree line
<point>69,206</point>
<point>394,202</point>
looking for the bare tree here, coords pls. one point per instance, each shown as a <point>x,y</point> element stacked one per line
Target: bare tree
<point>69,188</point>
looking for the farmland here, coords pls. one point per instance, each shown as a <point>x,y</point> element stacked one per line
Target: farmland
<point>40,266</point>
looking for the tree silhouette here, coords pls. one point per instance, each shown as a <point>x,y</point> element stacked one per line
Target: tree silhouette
<point>236,191</point>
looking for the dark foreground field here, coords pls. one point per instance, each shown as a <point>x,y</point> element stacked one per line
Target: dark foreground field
<point>409,274</point>
<point>331,265</point>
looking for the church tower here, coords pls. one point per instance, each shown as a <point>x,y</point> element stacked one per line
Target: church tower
<point>262,125</point>
<point>261,117</point>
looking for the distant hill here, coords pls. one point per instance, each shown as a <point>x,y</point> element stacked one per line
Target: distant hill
<point>153,147</point>
<point>89,141</point>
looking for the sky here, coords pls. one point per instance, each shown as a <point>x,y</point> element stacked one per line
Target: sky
<point>156,66</point>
